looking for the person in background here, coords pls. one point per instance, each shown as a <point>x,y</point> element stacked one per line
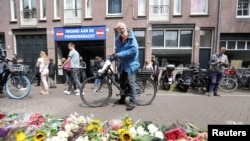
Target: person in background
<point>156,70</point>
<point>4,73</point>
<point>14,59</point>
<point>68,79</point>
<point>82,72</point>
<point>74,60</point>
<point>52,73</point>
<point>218,62</point>
<point>43,63</point>
<point>148,66</point>
<point>127,52</point>
<point>98,64</point>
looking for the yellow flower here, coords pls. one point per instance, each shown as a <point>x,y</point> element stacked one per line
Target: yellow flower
<point>20,136</point>
<point>90,127</point>
<point>126,136</point>
<point>99,129</point>
<point>96,121</point>
<point>120,131</point>
<point>40,136</point>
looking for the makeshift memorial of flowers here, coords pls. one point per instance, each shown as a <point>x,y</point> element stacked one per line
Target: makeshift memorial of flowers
<point>74,127</point>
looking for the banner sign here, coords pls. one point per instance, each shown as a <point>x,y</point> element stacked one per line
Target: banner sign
<point>80,33</point>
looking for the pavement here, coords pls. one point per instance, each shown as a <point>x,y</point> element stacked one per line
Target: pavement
<point>168,107</point>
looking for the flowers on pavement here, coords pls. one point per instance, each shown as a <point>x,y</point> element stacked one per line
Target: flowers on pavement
<point>74,127</point>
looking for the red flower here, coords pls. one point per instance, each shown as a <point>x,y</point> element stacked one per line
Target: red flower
<point>175,134</point>
<point>2,116</point>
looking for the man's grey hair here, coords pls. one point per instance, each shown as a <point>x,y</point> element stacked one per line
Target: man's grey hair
<point>121,24</point>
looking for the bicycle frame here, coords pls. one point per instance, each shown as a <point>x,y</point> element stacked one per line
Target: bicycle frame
<point>109,73</point>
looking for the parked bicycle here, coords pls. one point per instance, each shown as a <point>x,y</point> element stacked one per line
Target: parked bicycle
<point>228,83</point>
<point>100,96</point>
<point>17,85</point>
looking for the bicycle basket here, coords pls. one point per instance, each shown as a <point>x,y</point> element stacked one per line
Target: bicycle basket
<point>19,68</point>
<point>144,73</point>
<point>229,72</point>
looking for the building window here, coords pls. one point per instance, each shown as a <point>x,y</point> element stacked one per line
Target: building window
<point>73,8</point>
<point>159,10</point>
<point>186,38</point>
<point>42,9</point>
<point>199,7</point>
<point>205,38</point>
<point>236,45</point>
<point>177,7</point>
<point>13,10</point>
<point>88,8</point>
<point>243,8</point>
<point>57,9</point>
<point>141,7</point>
<point>114,7</point>
<point>28,8</point>
<point>158,38</point>
<point>140,37</point>
<point>173,38</point>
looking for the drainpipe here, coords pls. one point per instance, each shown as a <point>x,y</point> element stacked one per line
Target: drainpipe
<point>218,26</point>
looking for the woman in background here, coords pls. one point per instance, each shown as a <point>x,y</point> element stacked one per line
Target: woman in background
<point>43,63</point>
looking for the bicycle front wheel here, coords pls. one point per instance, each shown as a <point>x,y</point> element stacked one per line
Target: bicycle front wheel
<point>228,84</point>
<point>146,91</point>
<point>96,96</point>
<point>18,87</point>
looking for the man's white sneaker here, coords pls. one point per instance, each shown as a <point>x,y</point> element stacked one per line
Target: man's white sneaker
<point>66,92</point>
<point>79,93</point>
<point>76,91</point>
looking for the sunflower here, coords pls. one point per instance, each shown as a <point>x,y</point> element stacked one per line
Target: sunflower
<point>20,136</point>
<point>90,128</point>
<point>40,136</point>
<point>126,136</point>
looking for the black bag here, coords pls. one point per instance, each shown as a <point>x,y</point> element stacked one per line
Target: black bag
<point>38,74</point>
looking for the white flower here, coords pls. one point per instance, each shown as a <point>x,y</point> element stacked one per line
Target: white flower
<point>152,128</point>
<point>81,138</point>
<point>82,120</point>
<point>140,130</point>
<point>133,131</point>
<point>62,134</point>
<point>159,134</point>
<point>56,138</point>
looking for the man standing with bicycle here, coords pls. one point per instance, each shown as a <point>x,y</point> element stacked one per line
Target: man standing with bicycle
<point>217,62</point>
<point>126,50</point>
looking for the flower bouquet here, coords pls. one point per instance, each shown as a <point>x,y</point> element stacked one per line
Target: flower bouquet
<point>74,127</point>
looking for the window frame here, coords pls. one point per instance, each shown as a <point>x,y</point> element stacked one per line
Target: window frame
<point>199,13</point>
<point>141,7</point>
<point>226,44</point>
<point>242,16</point>
<point>13,12</point>
<point>178,38</point>
<point>42,8</point>
<point>177,12</point>
<point>74,7</point>
<point>57,12</point>
<point>211,38</point>
<point>30,5</point>
<point>88,8</point>
<point>113,14</point>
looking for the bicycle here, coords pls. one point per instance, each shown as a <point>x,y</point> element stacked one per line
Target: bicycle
<point>100,96</point>
<point>228,83</point>
<point>18,85</point>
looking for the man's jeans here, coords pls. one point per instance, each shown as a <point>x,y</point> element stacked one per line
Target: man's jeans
<point>130,79</point>
<point>74,76</point>
<point>215,80</point>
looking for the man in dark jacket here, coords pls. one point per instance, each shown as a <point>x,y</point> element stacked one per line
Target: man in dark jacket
<point>52,73</point>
